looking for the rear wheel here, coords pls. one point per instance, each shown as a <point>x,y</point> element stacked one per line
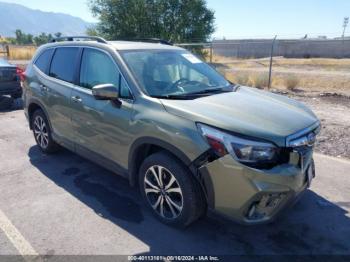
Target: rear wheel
<point>42,132</point>
<point>170,191</point>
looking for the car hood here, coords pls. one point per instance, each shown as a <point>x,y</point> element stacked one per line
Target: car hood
<point>247,111</point>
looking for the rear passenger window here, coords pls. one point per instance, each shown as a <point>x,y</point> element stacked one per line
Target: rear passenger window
<point>97,68</point>
<point>44,60</point>
<point>64,63</point>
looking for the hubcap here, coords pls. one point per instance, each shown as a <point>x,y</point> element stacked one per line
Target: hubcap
<point>163,192</point>
<point>41,132</point>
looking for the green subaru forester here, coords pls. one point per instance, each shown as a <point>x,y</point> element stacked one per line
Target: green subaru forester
<point>168,122</point>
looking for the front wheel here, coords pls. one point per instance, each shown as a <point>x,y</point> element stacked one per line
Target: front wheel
<point>42,132</point>
<point>170,190</point>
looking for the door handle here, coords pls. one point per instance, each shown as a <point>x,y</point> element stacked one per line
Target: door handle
<point>43,88</point>
<point>76,99</point>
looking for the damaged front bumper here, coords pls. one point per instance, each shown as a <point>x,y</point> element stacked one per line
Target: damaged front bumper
<point>253,196</point>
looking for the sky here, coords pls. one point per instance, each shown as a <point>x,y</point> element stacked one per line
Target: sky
<point>244,18</point>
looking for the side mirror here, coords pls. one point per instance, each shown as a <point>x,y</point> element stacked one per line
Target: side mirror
<point>105,92</point>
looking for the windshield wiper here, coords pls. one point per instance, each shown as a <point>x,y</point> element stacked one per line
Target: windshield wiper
<point>180,97</point>
<point>212,90</point>
<point>197,94</point>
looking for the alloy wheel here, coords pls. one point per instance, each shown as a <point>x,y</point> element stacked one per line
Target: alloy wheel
<point>163,192</point>
<point>41,132</point>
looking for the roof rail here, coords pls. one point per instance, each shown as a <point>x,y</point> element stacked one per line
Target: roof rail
<point>71,38</point>
<point>152,40</point>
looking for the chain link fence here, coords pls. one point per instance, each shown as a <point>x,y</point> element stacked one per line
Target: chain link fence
<point>289,48</point>
<point>292,64</point>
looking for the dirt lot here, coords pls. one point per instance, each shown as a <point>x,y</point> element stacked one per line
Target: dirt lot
<point>317,75</point>
<point>334,114</point>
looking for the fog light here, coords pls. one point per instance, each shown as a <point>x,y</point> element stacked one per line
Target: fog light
<point>264,206</point>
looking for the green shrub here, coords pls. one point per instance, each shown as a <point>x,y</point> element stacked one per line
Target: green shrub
<point>241,78</point>
<point>291,82</point>
<point>260,80</point>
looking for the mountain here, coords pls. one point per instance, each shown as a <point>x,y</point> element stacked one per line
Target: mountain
<point>30,21</point>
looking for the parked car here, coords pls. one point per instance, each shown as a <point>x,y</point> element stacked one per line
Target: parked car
<point>159,116</point>
<point>10,79</point>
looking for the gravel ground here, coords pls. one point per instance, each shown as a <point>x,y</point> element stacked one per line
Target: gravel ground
<point>334,113</point>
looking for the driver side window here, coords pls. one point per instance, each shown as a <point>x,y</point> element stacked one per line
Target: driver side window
<point>97,68</point>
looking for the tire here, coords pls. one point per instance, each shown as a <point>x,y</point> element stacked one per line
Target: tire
<point>178,199</point>
<point>42,133</point>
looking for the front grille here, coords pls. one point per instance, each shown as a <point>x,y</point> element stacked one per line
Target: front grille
<point>305,153</point>
<point>284,155</point>
<point>303,143</point>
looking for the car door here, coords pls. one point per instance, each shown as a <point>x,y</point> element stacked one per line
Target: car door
<point>101,127</point>
<point>56,92</point>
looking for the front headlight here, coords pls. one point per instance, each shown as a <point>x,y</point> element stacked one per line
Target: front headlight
<point>241,149</point>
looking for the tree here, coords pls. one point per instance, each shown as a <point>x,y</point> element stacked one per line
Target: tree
<point>91,31</point>
<point>58,34</point>
<point>28,39</point>
<point>22,38</point>
<point>173,20</point>
<point>19,36</point>
<point>43,38</point>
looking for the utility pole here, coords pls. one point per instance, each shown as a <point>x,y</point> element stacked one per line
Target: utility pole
<point>271,56</point>
<point>345,24</point>
<point>211,52</point>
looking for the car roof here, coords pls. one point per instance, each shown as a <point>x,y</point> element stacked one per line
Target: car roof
<point>130,45</point>
<point>118,45</point>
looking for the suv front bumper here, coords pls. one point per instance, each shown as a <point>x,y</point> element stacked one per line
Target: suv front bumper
<point>253,196</point>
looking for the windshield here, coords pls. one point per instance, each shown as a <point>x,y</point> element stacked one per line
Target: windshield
<point>173,73</point>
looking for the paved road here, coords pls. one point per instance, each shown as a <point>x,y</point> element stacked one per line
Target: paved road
<point>63,204</point>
